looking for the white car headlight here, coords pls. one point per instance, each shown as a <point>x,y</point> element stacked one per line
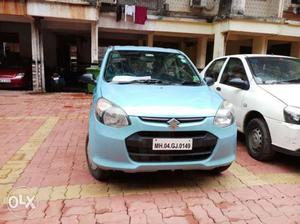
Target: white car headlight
<point>20,75</point>
<point>110,114</point>
<point>224,116</point>
<point>292,115</point>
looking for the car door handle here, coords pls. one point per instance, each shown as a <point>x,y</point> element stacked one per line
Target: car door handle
<point>218,88</point>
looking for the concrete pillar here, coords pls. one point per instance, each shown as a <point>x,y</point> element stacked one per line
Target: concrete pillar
<point>201,52</point>
<point>260,45</point>
<point>38,74</point>
<point>295,49</point>
<point>150,39</point>
<point>219,45</point>
<point>94,44</point>
<point>140,42</point>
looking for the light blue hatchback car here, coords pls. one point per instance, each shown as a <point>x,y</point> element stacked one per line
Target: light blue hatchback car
<point>151,111</point>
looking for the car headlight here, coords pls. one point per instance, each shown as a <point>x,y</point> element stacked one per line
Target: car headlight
<point>110,114</point>
<point>20,75</point>
<point>292,115</point>
<point>224,116</point>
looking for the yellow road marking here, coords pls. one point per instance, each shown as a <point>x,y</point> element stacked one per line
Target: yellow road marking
<point>117,189</point>
<point>14,167</point>
<point>245,176</point>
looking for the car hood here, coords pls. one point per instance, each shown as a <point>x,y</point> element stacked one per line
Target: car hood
<point>163,101</point>
<point>288,93</point>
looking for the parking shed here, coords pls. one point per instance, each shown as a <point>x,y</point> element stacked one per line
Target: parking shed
<point>66,52</point>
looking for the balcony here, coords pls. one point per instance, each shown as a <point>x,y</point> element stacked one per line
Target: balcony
<point>76,2</point>
<point>173,8</point>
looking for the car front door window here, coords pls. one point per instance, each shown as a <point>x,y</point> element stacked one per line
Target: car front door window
<point>234,70</point>
<point>214,69</point>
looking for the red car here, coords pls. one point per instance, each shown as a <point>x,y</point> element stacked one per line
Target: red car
<point>15,76</point>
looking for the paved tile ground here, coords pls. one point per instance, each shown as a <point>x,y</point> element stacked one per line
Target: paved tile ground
<point>43,159</point>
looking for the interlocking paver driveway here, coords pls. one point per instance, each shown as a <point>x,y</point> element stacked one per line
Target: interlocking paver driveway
<point>42,155</point>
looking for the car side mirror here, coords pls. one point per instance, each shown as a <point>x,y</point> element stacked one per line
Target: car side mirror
<point>238,83</point>
<point>88,79</point>
<point>209,80</point>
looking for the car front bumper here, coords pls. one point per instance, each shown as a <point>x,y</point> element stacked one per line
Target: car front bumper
<point>108,150</point>
<point>13,83</point>
<point>284,135</point>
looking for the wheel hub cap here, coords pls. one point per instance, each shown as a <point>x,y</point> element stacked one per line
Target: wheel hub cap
<point>256,139</point>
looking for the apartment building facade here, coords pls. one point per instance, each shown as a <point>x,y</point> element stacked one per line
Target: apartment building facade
<point>75,33</point>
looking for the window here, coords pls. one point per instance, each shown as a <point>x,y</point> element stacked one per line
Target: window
<point>234,69</point>
<point>214,69</point>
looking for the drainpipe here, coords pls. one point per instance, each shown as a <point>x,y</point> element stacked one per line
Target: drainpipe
<point>280,8</point>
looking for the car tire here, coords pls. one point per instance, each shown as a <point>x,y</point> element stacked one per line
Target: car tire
<point>97,173</point>
<point>258,140</point>
<point>220,169</point>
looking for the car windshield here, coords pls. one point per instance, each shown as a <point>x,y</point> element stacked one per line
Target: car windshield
<point>275,70</point>
<point>145,67</point>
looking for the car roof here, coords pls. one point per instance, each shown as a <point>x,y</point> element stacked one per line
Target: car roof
<point>256,55</point>
<point>143,48</point>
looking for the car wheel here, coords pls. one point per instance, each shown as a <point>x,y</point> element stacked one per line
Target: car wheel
<point>96,172</point>
<point>258,140</point>
<point>220,169</point>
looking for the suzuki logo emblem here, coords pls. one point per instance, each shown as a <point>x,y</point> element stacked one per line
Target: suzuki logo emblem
<point>173,123</point>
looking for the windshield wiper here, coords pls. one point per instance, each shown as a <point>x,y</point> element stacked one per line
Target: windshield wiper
<point>293,81</point>
<point>191,83</point>
<point>147,81</point>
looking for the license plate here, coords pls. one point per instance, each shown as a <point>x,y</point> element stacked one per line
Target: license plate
<point>4,80</point>
<point>172,144</point>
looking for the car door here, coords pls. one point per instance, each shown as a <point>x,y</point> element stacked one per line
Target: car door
<point>233,70</point>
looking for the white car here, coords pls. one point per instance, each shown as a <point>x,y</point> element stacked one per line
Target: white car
<point>265,93</point>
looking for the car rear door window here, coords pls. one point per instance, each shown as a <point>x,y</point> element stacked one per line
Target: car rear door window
<point>234,69</point>
<point>214,69</point>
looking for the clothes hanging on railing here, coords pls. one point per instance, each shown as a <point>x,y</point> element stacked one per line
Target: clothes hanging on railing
<point>130,11</point>
<point>140,15</point>
<point>119,10</point>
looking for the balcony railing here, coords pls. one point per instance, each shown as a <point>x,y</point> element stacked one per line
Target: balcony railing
<point>80,2</point>
<point>153,5</point>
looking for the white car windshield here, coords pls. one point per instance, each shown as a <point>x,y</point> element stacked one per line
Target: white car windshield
<point>275,70</point>
<point>145,67</point>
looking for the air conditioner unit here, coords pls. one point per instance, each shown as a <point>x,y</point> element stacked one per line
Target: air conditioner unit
<point>206,4</point>
<point>197,3</point>
<point>113,2</point>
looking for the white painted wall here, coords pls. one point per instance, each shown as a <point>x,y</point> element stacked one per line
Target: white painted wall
<point>262,8</point>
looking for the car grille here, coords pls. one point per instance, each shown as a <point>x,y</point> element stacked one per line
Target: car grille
<point>139,146</point>
<point>165,120</point>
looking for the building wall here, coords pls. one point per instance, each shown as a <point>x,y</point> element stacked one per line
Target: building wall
<point>262,8</point>
<point>184,6</point>
<point>287,3</point>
